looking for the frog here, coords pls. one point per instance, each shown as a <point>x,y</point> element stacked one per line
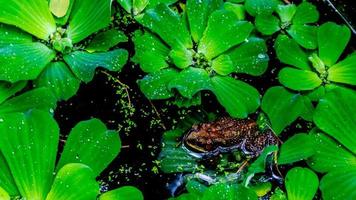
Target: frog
<point>226,134</point>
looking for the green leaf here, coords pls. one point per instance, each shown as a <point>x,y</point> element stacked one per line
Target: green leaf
<point>154,3</point>
<point>7,89</point>
<point>183,102</point>
<point>4,195</point>
<point>92,144</point>
<point>59,8</point>
<point>282,107</point>
<point>155,85</point>
<point>329,155</point>
<point>222,33</point>
<point>84,64</point>
<point>41,98</point>
<point>238,9</point>
<point>106,40</point>
<point>316,94</point>
<point>267,24</point>
<point>181,57</point>
<point>296,186</point>
<point>190,81</point>
<point>150,52</point>
<point>198,12</point>
<point>308,110</point>
<point>225,191</point>
<point>258,7</point>
<point>336,115</point>
<point>12,35</point>
<point>7,182</point>
<point>250,57</point>
<point>339,184</point>
<point>122,193</point>
<point>278,194</point>
<point>238,98</point>
<point>126,5</point>
<point>33,17</point>
<point>74,181</point>
<point>88,17</point>
<point>24,61</point>
<point>306,13</point>
<point>289,52</point>
<point>30,150</point>
<point>60,80</point>
<point>168,25</point>
<point>139,6</point>
<point>305,35</point>
<point>223,65</point>
<point>332,40</point>
<point>297,79</point>
<point>298,147</point>
<point>63,20</point>
<point>286,12</point>
<point>344,71</point>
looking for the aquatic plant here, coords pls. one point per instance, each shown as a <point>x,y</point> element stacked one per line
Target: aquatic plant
<point>43,41</point>
<point>28,158</point>
<point>137,7</point>
<point>199,49</point>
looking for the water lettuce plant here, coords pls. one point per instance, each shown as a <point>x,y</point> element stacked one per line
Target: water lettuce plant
<point>28,159</point>
<point>136,7</point>
<point>202,48</point>
<point>43,41</point>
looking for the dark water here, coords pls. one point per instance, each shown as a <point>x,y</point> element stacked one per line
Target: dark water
<point>141,144</point>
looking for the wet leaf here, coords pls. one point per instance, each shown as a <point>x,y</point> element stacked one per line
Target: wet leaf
<point>238,9</point>
<point>297,79</point>
<point>298,147</point>
<point>344,71</point>
<point>155,85</point>
<point>305,35</point>
<point>221,33</point>
<point>139,5</point>
<point>267,24</point>
<point>190,81</point>
<point>88,17</point>
<point>92,144</point>
<point>282,107</point>
<point>296,186</point>
<point>30,150</point>
<point>286,12</point>
<point>332,40</point>
<point>4,195</point>
<point>223,65</point>
<point>306,13</point>
<point>126,4</point>
<point>289,52</point>
<point>24,61</point>
<point>59,7</point>
<point>7,182</point>
<point>58,78</point>
<point>33,17</point>
<point>257,7</point>
<point>224,191</point>
<point>238,98</point>
<point>74,181</point>
<point>12,35</point>
<point>181,57</point>
<point>150,53</point>
<point>84,64</point>
<point>335,114</point>
<point>122,193</point>
<point>106,40</point>
<point>7,89</point>
<point>250,57</point>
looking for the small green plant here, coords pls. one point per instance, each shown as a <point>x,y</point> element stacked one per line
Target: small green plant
<point>28,159</point>
<point>200,49</point>
<point>43,41</point>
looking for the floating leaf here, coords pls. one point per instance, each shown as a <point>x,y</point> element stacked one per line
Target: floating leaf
<point>139,5</point>
<point>306,13</point>
<point>258,7</point>
<point>238,9</point>
<point>282,107</point>
<point>150,52</point>
<point>92,144</point>
<point>30,150</point>
<point>289,52</point>
<point>59,79</point>
<point>181,57</point>
<point>344,71</point>
<point>154,85</point>
<point>59,7</point>
<point>4,195</point>
<point>88,17</point>
<point>106,40</point>
<point>83,64</point>
<point>296,186</point>
<point>332,40</point>
<point>74,181</point>
<point>33,17</point>
<point>7,89</point>
<point>298,147</point>
<point>238,98</point>
<point>7,182</point>
<point>12,35</point>
<point>298,79</point>
<point>123,193</point>
<point>286,12</point>
<point>224,191</point>
<point>24,61</point>
<point>223,65</point>
<point>305,35</point>
<point>221,33</point>
<point>336,115</point>
<point>267,24</point>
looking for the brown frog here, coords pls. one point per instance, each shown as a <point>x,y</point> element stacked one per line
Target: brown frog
<point>227,134</point>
